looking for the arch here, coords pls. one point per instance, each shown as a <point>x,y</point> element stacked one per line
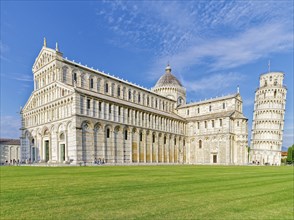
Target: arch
<point>45,131</point>
<point>61,136</point>
<point>74,78</point>
<point>108,143</point>
<point>91,82</point>
<point>86,125</point>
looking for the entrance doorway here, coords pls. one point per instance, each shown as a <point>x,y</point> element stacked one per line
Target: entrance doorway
<point>62,152</point>
<point>46,150</point>
<point>214,158</point>
<point>33,154</point>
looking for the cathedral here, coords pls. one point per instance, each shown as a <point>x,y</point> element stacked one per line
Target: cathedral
<point>80,115</point>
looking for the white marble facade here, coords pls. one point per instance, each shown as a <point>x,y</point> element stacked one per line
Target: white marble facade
<point>78,115</point>
<point>268,119</point>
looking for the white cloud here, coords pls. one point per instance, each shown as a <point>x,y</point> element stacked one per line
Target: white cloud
<point>3,50</point>
<point>18,77</point>
<point>232,52</point>
<point>213,82</point>
<point>219,35</point>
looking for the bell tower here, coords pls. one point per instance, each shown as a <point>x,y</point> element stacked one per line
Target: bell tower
<point>268,120</point>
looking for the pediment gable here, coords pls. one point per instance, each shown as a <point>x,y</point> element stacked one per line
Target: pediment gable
<point>32,101</point>
<point>238,115</point>
<point>29,103</point>
<point>45,56</point>
<point>238,96</point>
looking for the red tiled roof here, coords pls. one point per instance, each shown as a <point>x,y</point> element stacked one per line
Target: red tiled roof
<point>284,154</point>
<point>5,141</point>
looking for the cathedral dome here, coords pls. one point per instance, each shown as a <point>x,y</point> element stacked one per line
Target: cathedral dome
<point>168,79</point>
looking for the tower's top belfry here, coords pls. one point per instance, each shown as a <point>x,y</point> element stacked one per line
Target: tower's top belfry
<point>271,79</point>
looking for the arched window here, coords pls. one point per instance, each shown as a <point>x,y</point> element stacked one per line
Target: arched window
<point>88,103</point>
<point>126,135</point>
<point>141,136</point>
<point>275,93</point>
<point>118,91</point>
<point>153,138</point>
<point>74,78</point>
<point>107,133</point>
<point>200,144</point>
<point>91,83</point>
<point>210,108</point>
<point>106,88</point>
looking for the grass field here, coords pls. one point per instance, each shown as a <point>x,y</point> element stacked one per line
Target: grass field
<point>147,192</point>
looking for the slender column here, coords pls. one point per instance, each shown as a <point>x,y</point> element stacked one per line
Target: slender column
<point>145,145</point>
<point>130,133</point>
<point>50,148</point>
<point>101,142</point>
<point>138,147</point>
<point>58,159</point>
<point>156,149</point>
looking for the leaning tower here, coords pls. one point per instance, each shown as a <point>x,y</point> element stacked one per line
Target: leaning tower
<point>268,119</point>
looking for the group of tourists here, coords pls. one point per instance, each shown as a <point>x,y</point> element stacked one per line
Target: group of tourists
<point>99,161</point>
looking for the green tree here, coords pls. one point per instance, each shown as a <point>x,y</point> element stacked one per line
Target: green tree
<point>290,156</point>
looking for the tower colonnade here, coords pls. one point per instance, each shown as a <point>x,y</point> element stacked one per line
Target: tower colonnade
<point>268,119</point>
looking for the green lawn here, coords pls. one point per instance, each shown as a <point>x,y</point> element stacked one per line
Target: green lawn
<point>147,192</point>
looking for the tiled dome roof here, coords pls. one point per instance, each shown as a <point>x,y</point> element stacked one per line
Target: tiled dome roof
<point>168,79</point>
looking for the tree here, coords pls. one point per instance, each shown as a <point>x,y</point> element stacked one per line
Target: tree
<point>290,156</point>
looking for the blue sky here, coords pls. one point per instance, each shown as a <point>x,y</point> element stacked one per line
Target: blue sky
<point>212,46</point>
